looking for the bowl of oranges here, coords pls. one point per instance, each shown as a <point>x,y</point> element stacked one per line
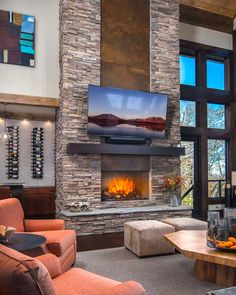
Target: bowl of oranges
<point>229,244</point>
<point>221,234</point>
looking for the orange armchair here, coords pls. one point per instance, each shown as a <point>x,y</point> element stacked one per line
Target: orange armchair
<point>23,275</point>
<point>60,242</point>
<point>32,225</point>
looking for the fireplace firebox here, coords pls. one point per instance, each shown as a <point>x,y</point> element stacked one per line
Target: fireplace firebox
<point>125,178</point>
<point>124,186</point>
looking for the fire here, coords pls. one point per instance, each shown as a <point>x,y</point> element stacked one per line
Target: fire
<point>121,186</point>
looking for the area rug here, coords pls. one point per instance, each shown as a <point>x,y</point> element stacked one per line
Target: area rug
<point>159,275</point>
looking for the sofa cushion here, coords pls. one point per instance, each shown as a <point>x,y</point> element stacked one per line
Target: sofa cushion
<point>52,264</point>
<point>186,223</point>
<point>11,214</point>
<point>23,275</point>
<point>129,287</point>
<point>68,258</point>
<point>58,241</point>
<point>78,281</point>
<point>43,224</point>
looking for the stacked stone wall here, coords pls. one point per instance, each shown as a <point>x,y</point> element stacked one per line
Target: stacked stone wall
<point>78,177</point>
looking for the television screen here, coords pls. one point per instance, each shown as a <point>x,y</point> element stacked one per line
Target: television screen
<point>126,113</point>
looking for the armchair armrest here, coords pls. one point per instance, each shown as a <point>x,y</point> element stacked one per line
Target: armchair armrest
<point>52,264</point>
<point>127,288</point>
<point>43,224</point>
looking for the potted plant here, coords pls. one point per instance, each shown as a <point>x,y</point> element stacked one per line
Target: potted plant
<point>173,184</point>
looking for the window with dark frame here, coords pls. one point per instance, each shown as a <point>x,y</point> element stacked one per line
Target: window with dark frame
<point>205,108</point>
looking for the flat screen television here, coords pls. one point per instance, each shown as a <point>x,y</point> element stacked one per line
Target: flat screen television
<point>114,112</point>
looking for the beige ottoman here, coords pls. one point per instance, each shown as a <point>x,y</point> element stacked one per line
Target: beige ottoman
<point>145,238</point>
<point>186,223</point>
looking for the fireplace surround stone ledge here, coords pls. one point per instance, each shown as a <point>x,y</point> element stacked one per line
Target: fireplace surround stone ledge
<point>127,210</point>
<point>112,220</point>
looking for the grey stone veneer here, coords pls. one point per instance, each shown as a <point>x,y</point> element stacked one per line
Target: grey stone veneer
<point>111,221</point>
<point>78,177</point>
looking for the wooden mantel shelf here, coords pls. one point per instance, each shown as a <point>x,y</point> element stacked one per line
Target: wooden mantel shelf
<point>29,100</point>
<point>126,149</point>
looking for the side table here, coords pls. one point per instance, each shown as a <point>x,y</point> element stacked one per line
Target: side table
<point>25,241</point>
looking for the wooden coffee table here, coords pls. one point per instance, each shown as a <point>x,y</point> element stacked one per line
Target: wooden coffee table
<point>211,265</point>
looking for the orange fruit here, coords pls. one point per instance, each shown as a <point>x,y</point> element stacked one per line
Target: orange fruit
<point>232,239</point>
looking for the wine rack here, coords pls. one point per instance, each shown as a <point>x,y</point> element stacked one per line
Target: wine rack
<point>12,152</point>
<point>37,153</point>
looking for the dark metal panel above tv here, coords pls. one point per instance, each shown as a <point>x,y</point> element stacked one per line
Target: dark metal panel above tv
<point>117,149</point>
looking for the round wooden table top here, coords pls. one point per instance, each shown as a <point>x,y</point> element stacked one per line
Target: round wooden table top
<point>25,241</point>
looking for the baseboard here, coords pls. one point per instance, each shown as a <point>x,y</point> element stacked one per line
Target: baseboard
<point>102,241</point>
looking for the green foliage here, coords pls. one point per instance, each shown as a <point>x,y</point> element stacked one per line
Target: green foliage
<point>188,201</point>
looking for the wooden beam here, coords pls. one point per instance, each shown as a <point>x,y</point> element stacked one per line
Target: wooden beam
<point>205,19</point>
<point>215,6</point>
<point>31,117</point>
<point>29,100</point>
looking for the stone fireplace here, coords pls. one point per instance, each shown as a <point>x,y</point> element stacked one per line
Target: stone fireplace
<point>89,177</point>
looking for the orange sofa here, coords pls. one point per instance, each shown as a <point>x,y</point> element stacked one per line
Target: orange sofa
<point>60,242</point>
<point>24,275</point>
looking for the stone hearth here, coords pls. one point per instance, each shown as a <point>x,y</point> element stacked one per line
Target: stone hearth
<point>104,221</point>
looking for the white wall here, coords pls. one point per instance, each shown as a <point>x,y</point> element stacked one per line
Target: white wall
<point>43,79</point>
<point>205,36</point>
<point>25,131</point>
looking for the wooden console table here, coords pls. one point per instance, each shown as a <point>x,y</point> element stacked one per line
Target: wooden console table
<point>211,265</point>
<point>37,202</point>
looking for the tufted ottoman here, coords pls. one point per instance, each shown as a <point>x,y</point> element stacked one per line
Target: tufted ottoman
<point>186,223</point>
<point>145,238</point>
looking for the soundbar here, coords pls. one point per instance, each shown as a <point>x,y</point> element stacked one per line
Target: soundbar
<point>125,140</point>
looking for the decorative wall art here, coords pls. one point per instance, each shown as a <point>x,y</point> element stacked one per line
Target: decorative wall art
<point>13,152</point>
<point>37,152</point>
<point>17,35</point>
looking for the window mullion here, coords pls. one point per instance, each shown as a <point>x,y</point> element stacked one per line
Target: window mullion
<point>201,69</point>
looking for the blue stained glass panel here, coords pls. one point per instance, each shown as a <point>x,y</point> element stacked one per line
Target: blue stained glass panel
<point>26,43</point>
<point>26,36</point>
<point>26,49</point>
<point>215,74</point>
<point>27,27</point>
<point>187,70</point>
<point>28,18</point>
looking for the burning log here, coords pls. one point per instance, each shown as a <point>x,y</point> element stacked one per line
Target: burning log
<point>122,186</point>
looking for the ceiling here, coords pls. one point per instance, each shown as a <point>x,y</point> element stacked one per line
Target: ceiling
<point>225,8</point>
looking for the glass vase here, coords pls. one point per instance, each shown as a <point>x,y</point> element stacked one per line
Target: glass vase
<point>212,220</point>
<point>174,200</point>
<point>222,230</point>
